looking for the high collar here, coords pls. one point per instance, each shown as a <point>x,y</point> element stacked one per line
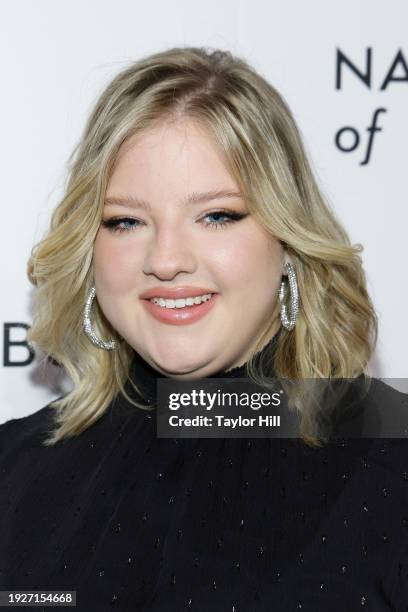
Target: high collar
<point>145,377</point>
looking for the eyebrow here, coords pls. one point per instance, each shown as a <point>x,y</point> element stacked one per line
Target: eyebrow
<point>193,198</point>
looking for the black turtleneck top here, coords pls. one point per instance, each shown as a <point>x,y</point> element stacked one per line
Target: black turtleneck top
<point>133,522</point>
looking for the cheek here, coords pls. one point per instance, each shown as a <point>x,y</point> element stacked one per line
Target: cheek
<point>114,262</point>
<point>252,262</point>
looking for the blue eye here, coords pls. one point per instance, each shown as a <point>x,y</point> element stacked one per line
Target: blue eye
<point>127,224</point>
<point>123,224</point>
<point>230,215</point>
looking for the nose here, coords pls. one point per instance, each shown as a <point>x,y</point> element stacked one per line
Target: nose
<point>168,253</point>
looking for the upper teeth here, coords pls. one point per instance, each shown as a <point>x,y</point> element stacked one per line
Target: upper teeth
<point>181,302</point>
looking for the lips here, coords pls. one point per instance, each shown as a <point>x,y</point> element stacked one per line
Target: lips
<point>175,292</point>
<point>180,316</point>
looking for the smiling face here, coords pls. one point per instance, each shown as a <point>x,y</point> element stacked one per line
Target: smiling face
<point>168,237</point>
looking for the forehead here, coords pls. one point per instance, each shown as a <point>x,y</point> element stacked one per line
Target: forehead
<point>185,136</point>
<point>177,155</point>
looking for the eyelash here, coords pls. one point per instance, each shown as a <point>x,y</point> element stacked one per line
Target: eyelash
<point>113,224</point>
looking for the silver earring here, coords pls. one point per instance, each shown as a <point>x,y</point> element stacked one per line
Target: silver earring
<point>88,328</point>
<point>289,322</point>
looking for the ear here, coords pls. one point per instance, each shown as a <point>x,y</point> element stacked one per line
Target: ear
<point>286,259</point>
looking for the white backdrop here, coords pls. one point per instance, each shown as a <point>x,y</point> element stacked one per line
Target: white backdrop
<point>341,66</point>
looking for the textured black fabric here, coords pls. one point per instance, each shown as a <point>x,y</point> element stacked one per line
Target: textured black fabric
<point>136,523</point>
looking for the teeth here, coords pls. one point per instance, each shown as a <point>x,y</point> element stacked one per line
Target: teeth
<point>181,302</point>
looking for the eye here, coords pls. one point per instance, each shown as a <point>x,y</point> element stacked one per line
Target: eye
<point>220,219</point>
<point>229,217</point>
<point>120,224</point>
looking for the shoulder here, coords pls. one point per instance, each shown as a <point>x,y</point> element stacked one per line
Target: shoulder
<point>386,411</point>
<point>376,425</point>
<point>376,411</point>
<point>25,431</point>
<point>24,459</point>
<point>382,391</point>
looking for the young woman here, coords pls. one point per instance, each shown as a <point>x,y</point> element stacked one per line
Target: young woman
<point>193,242</point>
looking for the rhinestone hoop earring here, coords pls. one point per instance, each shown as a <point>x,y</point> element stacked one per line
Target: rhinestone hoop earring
<point>289,322</point>
<point>88,328</point>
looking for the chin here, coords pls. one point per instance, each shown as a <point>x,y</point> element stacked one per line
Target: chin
<point>175,368</point>
<point>175,364</point>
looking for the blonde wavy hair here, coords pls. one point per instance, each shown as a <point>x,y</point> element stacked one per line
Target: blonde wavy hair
<point>336,330</point>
